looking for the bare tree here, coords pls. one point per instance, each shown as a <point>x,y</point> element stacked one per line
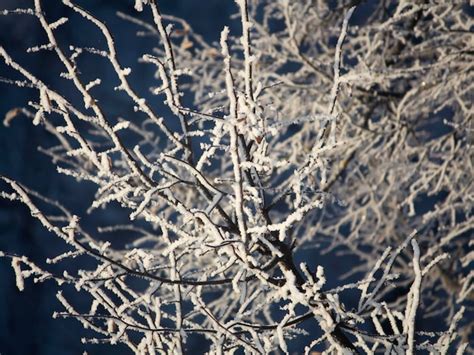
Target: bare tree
<point>305,134</point>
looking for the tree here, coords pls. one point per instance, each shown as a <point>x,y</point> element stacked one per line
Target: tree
<point>305,134</point>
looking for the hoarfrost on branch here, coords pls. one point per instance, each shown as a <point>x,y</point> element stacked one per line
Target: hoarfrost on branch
<point>307,136</point>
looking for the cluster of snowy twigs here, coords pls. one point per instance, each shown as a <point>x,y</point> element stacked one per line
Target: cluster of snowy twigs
<point>307,134</point>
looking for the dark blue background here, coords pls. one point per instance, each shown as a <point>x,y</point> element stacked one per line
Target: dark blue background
<point>26,325</point>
